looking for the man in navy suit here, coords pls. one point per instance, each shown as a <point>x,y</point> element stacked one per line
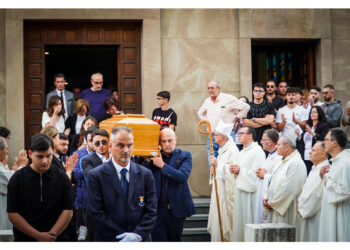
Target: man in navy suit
<point>66,96</point>
<point>171,171</point>
<point>122,199</point>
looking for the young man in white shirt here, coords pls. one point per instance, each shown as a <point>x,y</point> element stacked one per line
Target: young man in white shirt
<point>290,116</point>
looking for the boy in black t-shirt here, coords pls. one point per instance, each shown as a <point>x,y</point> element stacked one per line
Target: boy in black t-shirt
<point>39,199</point>
<point>164,116</point>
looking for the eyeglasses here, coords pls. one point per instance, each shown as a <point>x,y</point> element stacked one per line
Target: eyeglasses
<point>269,86</point>
<point>98,82</point>
<point>265,139</point>
<point>99,143</point>
<point>325,93</point>
<point>258,91</point>
<point>328,139</point>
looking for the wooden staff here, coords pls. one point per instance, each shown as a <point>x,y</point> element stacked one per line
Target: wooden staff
<point>214,170</point>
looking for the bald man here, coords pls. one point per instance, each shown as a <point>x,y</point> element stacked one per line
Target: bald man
<point>171,170</point>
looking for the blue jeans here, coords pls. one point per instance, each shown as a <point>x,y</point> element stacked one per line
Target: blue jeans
<point>216,146</point>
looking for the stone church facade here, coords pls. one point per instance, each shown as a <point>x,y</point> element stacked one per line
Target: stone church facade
<point>181,50</point>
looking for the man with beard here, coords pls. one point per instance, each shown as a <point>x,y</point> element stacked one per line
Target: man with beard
<point>271,96</point>
<point>335,208</point>
<point>62,147</point>
<point>100,139</point>
<point>281,89</point>
<point>290,116</point>
<point>313,100</point>
<point>261,113</point>
<point>332,108</point>
<point>80,201</point>
<point>122,198</point>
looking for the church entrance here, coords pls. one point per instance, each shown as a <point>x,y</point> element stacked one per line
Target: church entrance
<point>79,49</point>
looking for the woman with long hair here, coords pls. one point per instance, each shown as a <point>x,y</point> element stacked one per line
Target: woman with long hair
<point>315,129</point>
<point>54,114</point>
<point>78,140</point>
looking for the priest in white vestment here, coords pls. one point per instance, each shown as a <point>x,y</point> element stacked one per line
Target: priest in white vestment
<point>269,142</point>
<point>309,202</point>
<point>227,155</point>
<point>250,158</point>
<point>335,210</point>
<point>286,184</point>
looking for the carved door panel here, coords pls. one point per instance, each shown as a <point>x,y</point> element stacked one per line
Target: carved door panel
<point>37,34</point>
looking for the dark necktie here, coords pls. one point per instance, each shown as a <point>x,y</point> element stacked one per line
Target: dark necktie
<point>62,100</point>
<point>124,181</point>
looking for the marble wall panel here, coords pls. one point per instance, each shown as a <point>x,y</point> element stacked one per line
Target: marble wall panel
<point>199,23</point>
<point>189,64</point>
<point>14,85</point>
<point>2,69</point>
<point>82,14</point>
<point>341,64</point>
<point>199,178</point>
<point>284,23</point>
<point>340,24</point>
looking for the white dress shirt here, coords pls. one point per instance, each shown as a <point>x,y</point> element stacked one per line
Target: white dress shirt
<point>224,108</point>
<point>103,158</point>
<point>119,168</point>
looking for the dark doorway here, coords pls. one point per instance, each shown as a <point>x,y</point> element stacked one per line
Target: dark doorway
<point>290,60</point>
<point>79,62</point>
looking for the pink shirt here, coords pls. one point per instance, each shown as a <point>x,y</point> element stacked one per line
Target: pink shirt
<point>224,107</point>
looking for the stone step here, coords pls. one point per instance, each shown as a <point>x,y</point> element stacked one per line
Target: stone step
<point>196,220</point>
<point>195,235</point>
<point>201,205</point>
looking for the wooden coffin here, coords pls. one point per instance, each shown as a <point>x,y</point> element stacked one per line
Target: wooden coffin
<point>145,131</point>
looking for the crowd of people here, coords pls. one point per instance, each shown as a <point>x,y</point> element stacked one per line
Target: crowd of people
<point>279,158</point>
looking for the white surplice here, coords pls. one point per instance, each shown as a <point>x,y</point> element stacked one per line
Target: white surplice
<point>272,160</point>
<point>250,158</point>
<point>335,210</point>
<point>5,176</point>
<point>286,184</point>
<point>228,154</point>
<point>309,204</point>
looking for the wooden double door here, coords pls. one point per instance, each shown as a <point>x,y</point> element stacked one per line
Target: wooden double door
<point>37,34</point>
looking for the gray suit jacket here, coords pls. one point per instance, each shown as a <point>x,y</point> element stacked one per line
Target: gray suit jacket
<point>69,99</point>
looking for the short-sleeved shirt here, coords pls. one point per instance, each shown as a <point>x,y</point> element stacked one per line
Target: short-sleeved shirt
<point>96,100</point>
<point>260,111</point>
<point>39,198</point>
<point>164,117</point>
<point>300,114</point>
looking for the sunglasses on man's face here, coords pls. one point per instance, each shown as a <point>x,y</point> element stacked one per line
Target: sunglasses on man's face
<point>99,143</point>
<point>270,86</point>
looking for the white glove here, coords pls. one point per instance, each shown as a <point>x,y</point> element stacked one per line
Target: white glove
<point>129,237</point>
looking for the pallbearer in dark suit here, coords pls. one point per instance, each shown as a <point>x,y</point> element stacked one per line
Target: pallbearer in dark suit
<point>121,194</point>
<point>171,171</point>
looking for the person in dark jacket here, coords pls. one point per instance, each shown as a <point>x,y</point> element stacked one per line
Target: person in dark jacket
<point>74,121</point>
<point>332,108</point>
<point>80,202</point>
<point>111,106</point>
<point>171,171</point>
<point>315,129</point>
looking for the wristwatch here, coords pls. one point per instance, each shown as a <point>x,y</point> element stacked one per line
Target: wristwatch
<point>253,119</point>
